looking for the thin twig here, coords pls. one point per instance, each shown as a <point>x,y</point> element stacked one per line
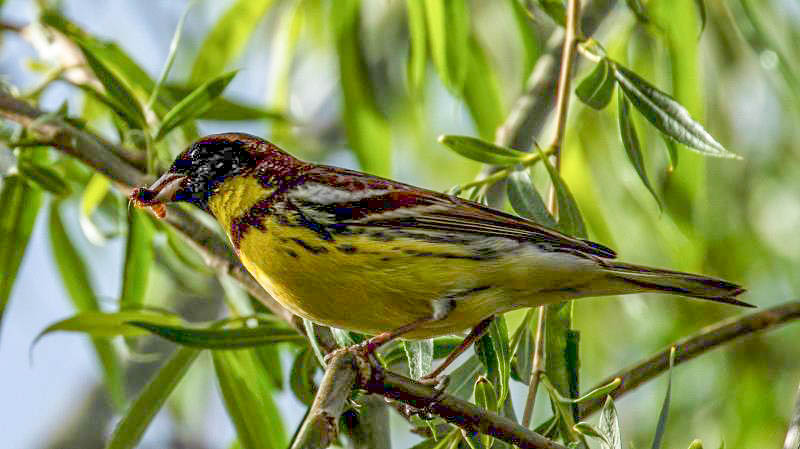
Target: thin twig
<point>562,106</point>
<point>692,346</point>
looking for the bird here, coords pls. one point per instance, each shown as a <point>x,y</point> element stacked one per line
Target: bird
<point>359,252</point>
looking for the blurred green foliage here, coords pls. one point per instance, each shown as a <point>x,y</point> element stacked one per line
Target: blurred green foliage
<point>374,84</point>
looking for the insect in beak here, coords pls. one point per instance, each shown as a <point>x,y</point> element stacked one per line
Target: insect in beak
<point>158,194</point>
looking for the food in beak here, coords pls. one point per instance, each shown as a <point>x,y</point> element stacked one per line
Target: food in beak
<point>157,195</point>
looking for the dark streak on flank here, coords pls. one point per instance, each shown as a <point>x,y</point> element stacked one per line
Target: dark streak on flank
<point>253,218</point>
<point>291,253</point>
<point>464,293</point>
<point>347,249</point>
<point>310,248</point>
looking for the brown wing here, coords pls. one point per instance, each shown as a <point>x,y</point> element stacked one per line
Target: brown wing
<point>381,202</point>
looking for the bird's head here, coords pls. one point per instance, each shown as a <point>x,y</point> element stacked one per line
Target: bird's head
<point>197,172</point>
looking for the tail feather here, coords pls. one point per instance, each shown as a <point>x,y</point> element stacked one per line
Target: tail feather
<point>646,279</point>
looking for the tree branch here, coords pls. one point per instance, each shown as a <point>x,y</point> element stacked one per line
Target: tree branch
<point>692,346</point>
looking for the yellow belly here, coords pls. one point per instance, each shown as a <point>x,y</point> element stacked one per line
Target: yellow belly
<point>362,283</point>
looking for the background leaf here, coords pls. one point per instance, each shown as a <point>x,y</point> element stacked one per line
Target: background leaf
<point>631,143</point>
<point>194,104</point>
<point>420,357</point>
<point>597,88</point>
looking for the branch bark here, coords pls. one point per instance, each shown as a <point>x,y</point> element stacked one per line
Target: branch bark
<point>692,346</point>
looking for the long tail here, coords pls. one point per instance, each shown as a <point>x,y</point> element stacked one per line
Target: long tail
<point>645,279</point>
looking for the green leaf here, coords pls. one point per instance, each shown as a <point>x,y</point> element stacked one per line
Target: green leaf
<point>420,357</point>
<point>526,201</point>
<point>20,203</point>
<point>560,367</point>
<point>227,40</point>
<point>99,324</point>
<point>248,399</point>
<point>43,177</point>
<point>173,50</point>
<point>701,9</point>
<point>638,10</point>
<point>569,216</point>
<point>150,400</point>
<point>609,426</point>
<point>482,93</point>
<point>522,348</point>
<point>418,54</point>
<point>269,356</point>
<point>367,129</point>
<point>667,115</point>
<point>246,337</point>
<point>138,260</point>
<point>662,416</point>
<point>589,430</point>
<point>463,378</point>
<point>131,110</point>
<point>311,335</point>
<point>442,347</point>
<point>555,9</point>
<point>630,141</point>
<point>485,395</point>
<point>526,32</point>
<point>342,337</point>
<point>194,104</point>
<point>93,194</point>
<point>672,150</point>
<point>448,35</point>
<point>225,109</point>
<point>493,351</point>
<point>301,379</point>
<point>75,277</point>
<point>698,444</point>
<point>597,88</point>
<point>482,151</point>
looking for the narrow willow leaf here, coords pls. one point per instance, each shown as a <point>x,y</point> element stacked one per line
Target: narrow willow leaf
<point>527,35</point>
<point>311,335</point>
<point>662,416</point>
<point>569,216</point>
<point>559,369</point>
<point>666,114</point>
<point>609,425</point>
<point>150,400</point>
<point>482,92</point>
<point>442,347</point>
<point>418,53</point>
<point>194,104</point>
<point>43,177</point>
<point>269,356</point>
<point>226,109</point>
<point>525,199</point>
<point>698,444</point>
<point>20,203</point>
<point>701,10</point>
<point>247,337</point>
<point>93,194</point>
<point>463,378</point>
<point>342,337</point>
<point>486,398</point>
<point>482,151</point>
<point>248,400</point>
<point>600,391</point>
<point>638,10</point>
<point>448,34</point>
<point>420,357</point>
<point>301,378</point>
<point>116,90</point>
<point>672,150</point>
<point>493,351</point>
<point>590,431</point>
<point>597,88</point>
<point>630,141</point>
<point>99,324</point>
<point>173,50</point>
<point>522,348</point>
<point>367,129</point>
<point>555,9</point>
<point>75,278</point>
<point>227,40</point>
<point>138,259</point>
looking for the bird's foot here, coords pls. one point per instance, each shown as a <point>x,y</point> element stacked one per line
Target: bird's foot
<point>439,385</point>
<point>367,365</point>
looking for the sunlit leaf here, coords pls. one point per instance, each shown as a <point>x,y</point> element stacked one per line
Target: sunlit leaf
<point>150,400</point>
<point>666,114</point>
<point>246,337</point>
<point>226,109</point>
<point>597,88</point>
<point>448,34</point>
<point>99,324</point>
<point>418,53</point>
<point>301,377</point>
<point>482,92</point>
<point>367,129</point>
<point>482,151</point>
<point>493,351</point>
<point>526,201</point>
<point>420,357</point>
<point>20,204</point>
<point>138,259</point>
<point>93,194</point>
<point>569,216</point>
<point>698,444</point>
<point>609,426</point>
<point>194,104</point>
<point>227,39</point>
<point>662,416</point>
<point>248,400</point>
<point>630,141</point>
<point>116,90</point>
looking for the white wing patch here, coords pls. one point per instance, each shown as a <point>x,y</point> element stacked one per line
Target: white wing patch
<point>322,194</point>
